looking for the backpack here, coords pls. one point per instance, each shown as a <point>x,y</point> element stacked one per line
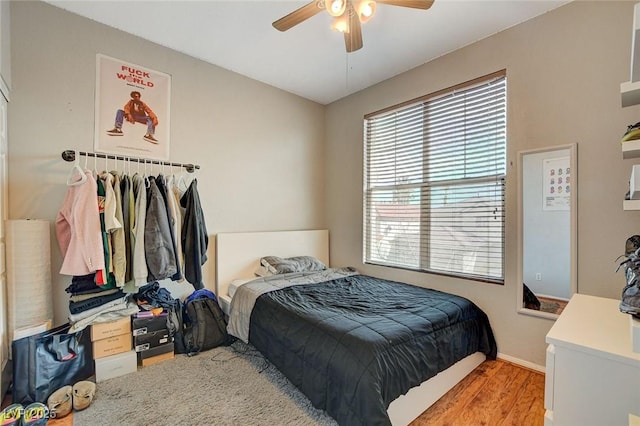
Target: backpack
<point>176,327</point>
<point>204,325</point>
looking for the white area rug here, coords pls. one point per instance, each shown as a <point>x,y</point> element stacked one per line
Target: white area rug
<point>231,385</point>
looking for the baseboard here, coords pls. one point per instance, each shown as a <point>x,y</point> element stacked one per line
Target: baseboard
<point>521,362</point>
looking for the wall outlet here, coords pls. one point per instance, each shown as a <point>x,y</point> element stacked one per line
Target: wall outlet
<point>538,276</point>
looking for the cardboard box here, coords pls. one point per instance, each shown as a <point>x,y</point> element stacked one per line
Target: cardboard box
<point>148,325</point>
<point>147,341</point>
<point>109,329</point>
<point>156,359</point>
<point>116,365</point>
<point>111,346</point>
<point>158,350</point>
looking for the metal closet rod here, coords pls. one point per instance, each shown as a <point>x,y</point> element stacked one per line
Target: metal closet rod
<point>70,155</point>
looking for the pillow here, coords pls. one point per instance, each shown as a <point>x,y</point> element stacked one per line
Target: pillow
<point>278,265</point>
<point>262,271</point>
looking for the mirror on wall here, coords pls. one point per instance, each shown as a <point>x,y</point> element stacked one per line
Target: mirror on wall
<point>547,228</point>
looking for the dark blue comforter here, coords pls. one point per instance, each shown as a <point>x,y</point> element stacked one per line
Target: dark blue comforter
<point>355,344</point>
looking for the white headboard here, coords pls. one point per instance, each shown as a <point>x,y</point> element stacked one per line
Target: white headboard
<point>238,253</point>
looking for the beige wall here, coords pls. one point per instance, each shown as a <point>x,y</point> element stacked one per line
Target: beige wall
<point>260,149</point>
<point>564,71</point>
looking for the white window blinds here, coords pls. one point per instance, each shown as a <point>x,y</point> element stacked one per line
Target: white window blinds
<point>434,181</point>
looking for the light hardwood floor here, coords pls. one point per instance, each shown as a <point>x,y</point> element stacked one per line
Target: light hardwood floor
<point>496,393</point>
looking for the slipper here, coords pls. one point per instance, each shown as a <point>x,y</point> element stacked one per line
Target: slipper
<point>60,402</point>
<point>83,393</point>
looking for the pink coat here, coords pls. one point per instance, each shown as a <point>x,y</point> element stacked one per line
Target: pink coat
<point>78,229</point>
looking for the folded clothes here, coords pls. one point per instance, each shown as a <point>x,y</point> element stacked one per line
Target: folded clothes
<point>79,297</point>
<point>99,289</point>
<point>78,307</point>
<point>120,309</point>
<point>89,277</point>
<point>97,310</point>
<point>86,284</point>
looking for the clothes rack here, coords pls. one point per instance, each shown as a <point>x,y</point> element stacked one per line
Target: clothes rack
<point>70,155</point>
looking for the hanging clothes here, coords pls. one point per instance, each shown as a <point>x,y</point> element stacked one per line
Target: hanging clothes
<point>103,276</point>
<point>78,229</point>
<point>140,234</point>
<point>128,219</point>
<point>159,251</point>
<point>176,216</point>
<point>139,260</point>
<point>195,239</point>
<point>118,254</point>
<point>164,191</point>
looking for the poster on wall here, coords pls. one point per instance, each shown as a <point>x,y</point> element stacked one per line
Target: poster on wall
<point>131,110</point>
<point>556,175</point>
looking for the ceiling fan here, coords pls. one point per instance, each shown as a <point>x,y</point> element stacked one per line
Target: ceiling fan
<point>348,16</point>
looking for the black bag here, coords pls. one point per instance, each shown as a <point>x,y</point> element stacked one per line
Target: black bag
<point>176,327</point>
<point>45,362</point>
<point>204,324</point>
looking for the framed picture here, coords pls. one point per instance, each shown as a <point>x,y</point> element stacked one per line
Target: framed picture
<point>132,110</point>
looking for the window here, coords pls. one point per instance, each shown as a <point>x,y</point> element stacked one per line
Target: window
<point>434,182</point>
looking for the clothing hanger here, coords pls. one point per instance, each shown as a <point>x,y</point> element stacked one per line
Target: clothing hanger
<point>76,170</point>
<point>182,180</point>
<point>147,184</point>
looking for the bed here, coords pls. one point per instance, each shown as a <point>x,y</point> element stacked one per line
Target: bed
<point>317,328</point>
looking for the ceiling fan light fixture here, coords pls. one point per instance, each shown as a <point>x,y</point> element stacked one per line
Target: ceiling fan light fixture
<point>335,7</point>
<point>366,9</point>
<point>340,24</point>
<point>349,15</point>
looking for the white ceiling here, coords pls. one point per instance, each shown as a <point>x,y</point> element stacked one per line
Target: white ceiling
<point>309,60</point>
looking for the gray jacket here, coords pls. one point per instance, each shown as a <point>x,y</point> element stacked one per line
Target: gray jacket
<point>158,242</point>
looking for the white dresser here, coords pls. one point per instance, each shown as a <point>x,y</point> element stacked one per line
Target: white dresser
<point>592,373</point>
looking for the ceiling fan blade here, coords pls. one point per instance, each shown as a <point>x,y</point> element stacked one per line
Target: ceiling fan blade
<point>353,38</point>
<point>297,16</point>
<point>416,4</point>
